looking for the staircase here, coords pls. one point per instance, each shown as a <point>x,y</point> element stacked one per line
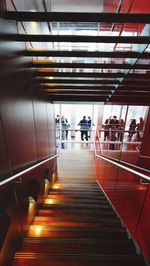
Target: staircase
<point>76,225</point>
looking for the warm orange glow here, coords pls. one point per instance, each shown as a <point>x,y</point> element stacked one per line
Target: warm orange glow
<point>36,230</point>
<point>56,186</point>
<point>46,70</point>
<point>46,188</point>
<point>32,208</point>
<point>47,78</point>
<point>142,187</point>
<point>50,201</point>
<point>41,61</point>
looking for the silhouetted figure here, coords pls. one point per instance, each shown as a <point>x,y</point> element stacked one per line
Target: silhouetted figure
<point>114,124</point>
<point>84,128</point>
<point>106,128</point>
<point>57,124</point>
<point>132,128</point>
<point>121,129</point>
<point>64,122</point>
<point>139,128</point>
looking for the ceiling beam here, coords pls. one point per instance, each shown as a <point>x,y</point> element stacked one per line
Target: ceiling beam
<point>48,64</point>
<point>76,17</point>
<point>129,77</point>
<point>75,38</point>
<point>78,74</point>
<point>77,81</point>
<point>139,84</point>
<point>100,54</point>
<point>77,98</point>
<point>78,87</point>
<point>85,88</point>
<point>101,93</point>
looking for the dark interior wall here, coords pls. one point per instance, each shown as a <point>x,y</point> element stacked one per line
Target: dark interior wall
<point>26,137</point>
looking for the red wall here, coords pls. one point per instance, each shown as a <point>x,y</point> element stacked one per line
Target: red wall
<point>129,196</point>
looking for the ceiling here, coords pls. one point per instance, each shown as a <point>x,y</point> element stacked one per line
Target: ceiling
<point>84,50</point>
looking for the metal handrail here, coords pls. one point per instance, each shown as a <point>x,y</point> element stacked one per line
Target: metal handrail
<point>12,178</point>
<point>130,164</point>
<point>142,156</point>
<point>124,167</point>
<point>119,164</point>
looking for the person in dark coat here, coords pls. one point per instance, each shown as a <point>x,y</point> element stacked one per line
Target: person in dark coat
<point>84,128</point>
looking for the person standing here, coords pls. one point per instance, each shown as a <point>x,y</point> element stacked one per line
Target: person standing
<point>64,121</point>
<point>84,128</point>
<point>106,127</point>
<point>89,126</point>
<point>139,128</point>
<point>114,125</point>
<point>132,128</point>
<point>121,129</point>
<point>57,125</point>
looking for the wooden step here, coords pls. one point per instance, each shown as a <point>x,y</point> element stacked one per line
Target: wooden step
<point>96,246</point>
<point>38,259</point>
<point>76,232</point>
<point>75,196</point>
<point>79,206</point>
<point>75,218</point>
<point>58,222</point>
<point>77,189</point>
<point>76,193</point>
<point>76,213</point>
<point>77,199</point>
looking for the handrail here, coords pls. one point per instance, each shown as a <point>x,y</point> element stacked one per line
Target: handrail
<point>132,165</point>
<point>142,156</point>
<point>12,178</point>
<point>118,164</point>
<point>124,167</point>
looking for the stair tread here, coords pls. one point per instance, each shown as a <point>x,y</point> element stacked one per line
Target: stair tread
<point>75,206</point>
<point>82,219</point>
<point>80,228</point>
<point>69,212</point>
<point>78,245</point>
<point>77,257</point>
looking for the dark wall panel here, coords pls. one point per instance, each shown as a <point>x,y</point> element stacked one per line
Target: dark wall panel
<point>41,127</point>
<point>4,164</point>
<point>51,128</point>
<point>18,124</point>
<point>26,136</point>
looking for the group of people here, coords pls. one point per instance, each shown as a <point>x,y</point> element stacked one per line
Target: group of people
<point>85,127</point>
<point>114,129</point>
<point>136,129</point>
<point>62,127</point>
